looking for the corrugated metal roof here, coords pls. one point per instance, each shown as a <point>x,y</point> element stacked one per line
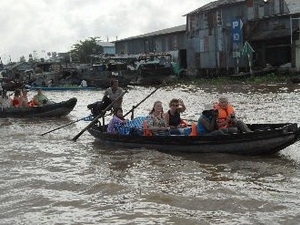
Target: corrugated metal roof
<point>293,6</point>
<point>106,44</point>
<point>180,28</point>
<point>215,4</point>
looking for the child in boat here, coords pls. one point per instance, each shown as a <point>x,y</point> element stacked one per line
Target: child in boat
<point>116,122</point>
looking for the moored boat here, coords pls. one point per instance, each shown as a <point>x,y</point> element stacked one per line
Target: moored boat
<point>265,139</point>
<point>62,88</point>
<point>59,109</point>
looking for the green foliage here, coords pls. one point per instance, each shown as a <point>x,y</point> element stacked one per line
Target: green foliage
<point>83,50</point>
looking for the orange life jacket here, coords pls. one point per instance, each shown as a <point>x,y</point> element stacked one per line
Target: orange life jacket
<point>223,113</point>
<point>146,131</point>
<point>182,123</point>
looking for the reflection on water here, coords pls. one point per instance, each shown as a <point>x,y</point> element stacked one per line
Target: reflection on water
<point>52,180</point>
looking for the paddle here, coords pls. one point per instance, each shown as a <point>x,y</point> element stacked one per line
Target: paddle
<point>134,107</point>
<point>99,116</point>
<point>83,118</point>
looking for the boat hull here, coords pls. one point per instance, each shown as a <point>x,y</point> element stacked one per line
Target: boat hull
<point>266,139</point>
<point>51,110</point>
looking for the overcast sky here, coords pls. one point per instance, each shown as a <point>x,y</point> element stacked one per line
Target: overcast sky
<point>55,25</point>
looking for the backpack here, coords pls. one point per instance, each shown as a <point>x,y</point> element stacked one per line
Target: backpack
<point>97,107</point>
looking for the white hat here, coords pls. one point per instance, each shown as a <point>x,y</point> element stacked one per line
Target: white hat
<point>208,107</point>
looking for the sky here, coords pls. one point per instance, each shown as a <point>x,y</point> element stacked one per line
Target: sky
<point>41,26</point>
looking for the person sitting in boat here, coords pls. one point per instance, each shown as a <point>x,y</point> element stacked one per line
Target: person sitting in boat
<point>17,99</point>
<point>156,122</point>
<point>83,83</point>
<point>24,98</point>
<point>207,122</point>
<point>113,92</point>
<point>40,99</point>
<point>226,117</point>
<point>172,116</point>
<point>117,122</point>
<point>5,101</point>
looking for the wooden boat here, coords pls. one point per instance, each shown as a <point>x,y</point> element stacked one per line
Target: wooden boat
<point>50,110</point>
<point>265,139</point>
<point>66,88</point>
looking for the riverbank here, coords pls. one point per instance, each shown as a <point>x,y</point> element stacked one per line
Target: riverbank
<point>270,78</point>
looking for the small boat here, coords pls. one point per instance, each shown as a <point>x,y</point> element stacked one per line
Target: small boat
<point>59,109</point>
<point>66,88</point>
<point>265,139</point>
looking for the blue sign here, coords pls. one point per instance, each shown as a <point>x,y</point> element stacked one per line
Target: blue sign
<point>237,31</point>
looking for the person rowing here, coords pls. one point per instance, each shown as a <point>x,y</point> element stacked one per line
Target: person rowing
<point>113,92</point>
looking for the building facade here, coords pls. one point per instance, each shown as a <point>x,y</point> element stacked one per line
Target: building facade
<point>171,40</point>
<point>228,36</point>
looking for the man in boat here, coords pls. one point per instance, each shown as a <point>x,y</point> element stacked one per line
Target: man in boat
<point>226,117</point>
<point>113,92</point>
<point>40,99</point>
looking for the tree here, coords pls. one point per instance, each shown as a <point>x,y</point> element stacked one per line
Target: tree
<point>85,49</point>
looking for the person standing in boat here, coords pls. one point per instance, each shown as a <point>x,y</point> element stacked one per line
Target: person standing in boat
<point>113,92</point>
<point>156,122</point>
<point>40,99</point>
<point>172,116</point>
<point>226,117</point>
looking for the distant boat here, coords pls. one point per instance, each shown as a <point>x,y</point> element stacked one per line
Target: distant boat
<point>59,109</point>
<point>62,88</point>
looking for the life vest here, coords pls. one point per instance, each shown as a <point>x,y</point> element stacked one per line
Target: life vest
<point>15,102</point>
<point>174,120</point>
<point>223,113</point>
<point>194,130</point>
<point>182,123</point>
<point>146,131</point>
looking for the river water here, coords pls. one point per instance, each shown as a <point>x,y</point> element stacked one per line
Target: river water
<point>52,180</point>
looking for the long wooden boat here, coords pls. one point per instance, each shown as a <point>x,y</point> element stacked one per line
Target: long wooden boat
<point>265,139</point>
<point>71,88</point>
<point>50,110</point>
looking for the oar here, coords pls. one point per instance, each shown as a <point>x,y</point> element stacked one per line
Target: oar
<point>135,106</point>
<point>99,116</point>
<point>83,118</point>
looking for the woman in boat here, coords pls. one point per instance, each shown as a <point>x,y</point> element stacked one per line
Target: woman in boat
<point>155,121</point>
<point>226,117</point>
<point>24,98</point>
<point>117,122</point>
<point>172,117</point>
<point>207,123</point>
<point>17,99</point>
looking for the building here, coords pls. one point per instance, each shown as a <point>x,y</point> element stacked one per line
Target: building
<point>228,36</point>
<point>171,40</point>
<point>108,48</point>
